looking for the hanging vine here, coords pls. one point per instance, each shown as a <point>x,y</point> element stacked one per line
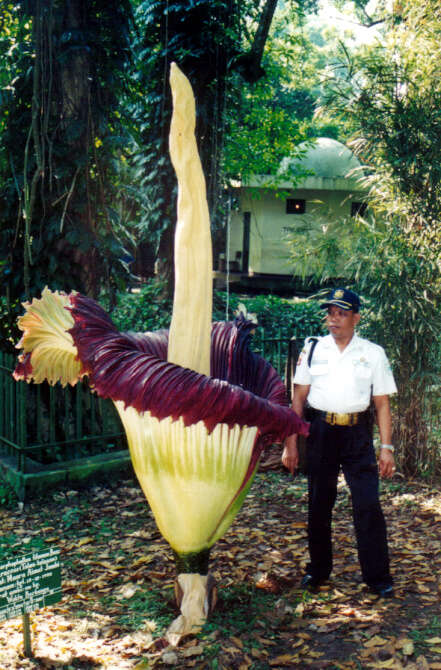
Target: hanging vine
<point>64,139</point>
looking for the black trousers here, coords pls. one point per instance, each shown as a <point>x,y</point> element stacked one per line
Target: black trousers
<point>350,448</point>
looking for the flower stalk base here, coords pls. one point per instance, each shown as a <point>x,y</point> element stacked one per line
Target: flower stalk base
<point>194,562</point>
<point>196,595</point>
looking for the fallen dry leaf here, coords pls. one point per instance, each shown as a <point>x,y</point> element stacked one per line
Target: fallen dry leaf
<point>375,641</point>
<point>408,648</point>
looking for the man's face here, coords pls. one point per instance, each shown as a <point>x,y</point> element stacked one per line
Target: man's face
<point>341,322</point>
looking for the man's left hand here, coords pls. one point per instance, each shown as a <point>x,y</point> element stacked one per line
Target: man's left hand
<point>386,464</point>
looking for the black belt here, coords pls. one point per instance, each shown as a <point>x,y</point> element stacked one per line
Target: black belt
<point>337,419</point>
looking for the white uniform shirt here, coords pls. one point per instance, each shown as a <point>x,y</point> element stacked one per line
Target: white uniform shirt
<point>341,382</point>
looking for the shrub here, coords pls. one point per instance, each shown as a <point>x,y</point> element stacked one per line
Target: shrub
<point>147,309</point>
<point>297,318</point>
<point>143,310</point>
<point>9,333</point>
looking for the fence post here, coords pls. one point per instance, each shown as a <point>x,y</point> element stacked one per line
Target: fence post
<point>20,399</point>
<point>51,413</point>
<point>262,342</point>
<point>38,414</point>
<point>78,410</point>
<point>279,350</point>
<point>291,362</point>
<point>67,393</point>
<point>2,394</point>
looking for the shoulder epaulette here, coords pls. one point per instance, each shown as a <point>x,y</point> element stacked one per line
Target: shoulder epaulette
<point>313,341</point>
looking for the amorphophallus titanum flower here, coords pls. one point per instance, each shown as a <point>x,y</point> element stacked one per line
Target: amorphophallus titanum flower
<point>197,405</point>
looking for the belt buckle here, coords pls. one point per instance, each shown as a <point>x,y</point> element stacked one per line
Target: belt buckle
<point>335,419</point>
<point>330,418</point>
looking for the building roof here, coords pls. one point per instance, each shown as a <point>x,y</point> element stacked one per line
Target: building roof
<point>331,166</point>
<point>326,158</point>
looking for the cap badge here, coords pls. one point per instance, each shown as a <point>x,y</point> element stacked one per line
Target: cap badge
<point>338,294</point>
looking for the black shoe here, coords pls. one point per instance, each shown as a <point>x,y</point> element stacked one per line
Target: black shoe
<point>383,591</point>
<point>310,583</point>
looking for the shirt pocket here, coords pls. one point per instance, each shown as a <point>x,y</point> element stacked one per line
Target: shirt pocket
<point>319,369</point>
<point>363,375</point>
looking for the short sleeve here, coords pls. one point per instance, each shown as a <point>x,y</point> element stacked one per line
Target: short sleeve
<point>383,382</point>
<point>302,374</point>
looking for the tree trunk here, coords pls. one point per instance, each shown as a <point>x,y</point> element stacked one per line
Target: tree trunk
<point>75,113</point>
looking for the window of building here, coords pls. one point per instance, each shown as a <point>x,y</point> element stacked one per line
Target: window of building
<point>295,206</point>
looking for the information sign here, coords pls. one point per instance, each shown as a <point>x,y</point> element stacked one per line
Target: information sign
<point>29,582</point>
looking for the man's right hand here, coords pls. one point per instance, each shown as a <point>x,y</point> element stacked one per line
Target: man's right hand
<point>290,455</point>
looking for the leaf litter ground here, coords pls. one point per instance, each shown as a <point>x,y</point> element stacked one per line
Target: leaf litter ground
<point>118,585</point>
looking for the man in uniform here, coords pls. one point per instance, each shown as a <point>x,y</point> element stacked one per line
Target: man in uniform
<point>336,377</point>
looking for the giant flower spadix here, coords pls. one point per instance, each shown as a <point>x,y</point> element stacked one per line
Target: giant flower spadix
<point>197,405</point>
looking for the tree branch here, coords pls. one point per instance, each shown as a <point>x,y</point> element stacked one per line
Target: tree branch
<point>249,64</point>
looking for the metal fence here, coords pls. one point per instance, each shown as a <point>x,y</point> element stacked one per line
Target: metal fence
<point>46,429</point>
<point>282,353</point>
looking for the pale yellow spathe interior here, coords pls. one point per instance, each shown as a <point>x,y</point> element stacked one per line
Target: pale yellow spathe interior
<point>189,476</point>
<point>45,324</point>
<point>190,329</point>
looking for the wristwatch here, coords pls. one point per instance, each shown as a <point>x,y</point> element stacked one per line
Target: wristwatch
<point>389,447</point>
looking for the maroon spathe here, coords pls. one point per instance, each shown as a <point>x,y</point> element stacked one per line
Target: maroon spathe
<point>243,388</point>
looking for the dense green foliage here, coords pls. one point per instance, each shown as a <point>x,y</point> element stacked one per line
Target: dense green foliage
<point>63,76</point>
<point>146,310</point>
<point>269,118</point>
<point>278,317</point>
<point>143,310</point>
<point>401,278</point>
<point>63,73</point>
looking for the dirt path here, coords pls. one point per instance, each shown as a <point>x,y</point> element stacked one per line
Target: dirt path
<point>118,584</point>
